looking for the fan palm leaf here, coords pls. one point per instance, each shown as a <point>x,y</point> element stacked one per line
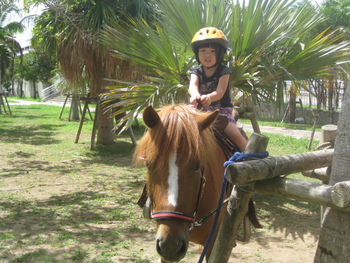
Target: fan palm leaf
<point>8,45</point>
<point>267,40</point>
<point>5,60</point>
<point>5,54</point>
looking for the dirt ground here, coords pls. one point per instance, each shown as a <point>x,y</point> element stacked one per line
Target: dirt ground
<point>296,243</point>
<point>289,235</point>
<point>276,246</point>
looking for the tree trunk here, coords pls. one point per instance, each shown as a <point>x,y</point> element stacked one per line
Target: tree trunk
<point>105,135</point>
<point>0,96</point>
<point>19,91</point>
<point>34,89</point>
<point>0,91</point>
<point>292,105</point>
<point>105,127</point>
<point>74,110</point>
<point>334,242</point>
<point>330,94</point>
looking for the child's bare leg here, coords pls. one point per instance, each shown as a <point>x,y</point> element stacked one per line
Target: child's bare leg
<point>235,136</point>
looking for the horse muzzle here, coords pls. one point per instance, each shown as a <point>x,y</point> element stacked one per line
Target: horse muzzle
<point>172,246</point>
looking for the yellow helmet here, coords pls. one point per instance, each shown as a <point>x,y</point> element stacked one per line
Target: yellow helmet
<point>209,35</point>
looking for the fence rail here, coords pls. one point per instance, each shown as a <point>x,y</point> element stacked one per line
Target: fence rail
<point>49,93</point>
<point>321,93</point>
<point>317,93</point>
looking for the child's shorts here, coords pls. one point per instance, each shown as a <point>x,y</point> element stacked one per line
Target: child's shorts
<point>224,111</point>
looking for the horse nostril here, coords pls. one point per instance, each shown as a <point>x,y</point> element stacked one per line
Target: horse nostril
<point>159,247</point>
<point>182,247</point>
<point>171,251</point>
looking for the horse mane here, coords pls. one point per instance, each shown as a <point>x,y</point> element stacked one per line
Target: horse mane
<point>177,131</point>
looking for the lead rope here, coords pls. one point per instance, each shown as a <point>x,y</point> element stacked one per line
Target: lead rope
<point>236,157</point>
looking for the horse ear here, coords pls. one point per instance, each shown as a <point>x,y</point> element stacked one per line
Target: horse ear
<point>204,121</point>
<point>150,117</point>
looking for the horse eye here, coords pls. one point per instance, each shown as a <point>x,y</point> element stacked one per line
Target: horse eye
<point>148,165</point>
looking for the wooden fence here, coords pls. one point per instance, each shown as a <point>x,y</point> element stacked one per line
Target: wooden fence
<point>264,175</point>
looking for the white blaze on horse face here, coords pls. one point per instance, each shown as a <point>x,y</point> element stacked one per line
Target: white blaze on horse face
<point>173,182</point>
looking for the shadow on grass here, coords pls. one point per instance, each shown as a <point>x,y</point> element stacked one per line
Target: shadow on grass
<point>116,155</point>
<point>289,216</point>
<point>33,135</point>
<point>86,221</point>
<point>107,154</point>
<point>25,166</point>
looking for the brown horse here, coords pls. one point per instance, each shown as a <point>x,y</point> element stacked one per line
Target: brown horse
<point>184,176</point>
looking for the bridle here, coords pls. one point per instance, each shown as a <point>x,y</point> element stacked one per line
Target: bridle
<point>165,214</point>
<point>177,215</point>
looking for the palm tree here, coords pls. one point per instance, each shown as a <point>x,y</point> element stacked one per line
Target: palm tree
<point>333,245</point>
<point>5,58</point>
<point>267,39</point>
<point>72,30</point>
<point>8,45</point>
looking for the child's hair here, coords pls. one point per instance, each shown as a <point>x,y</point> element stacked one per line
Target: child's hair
<point>210,37</point>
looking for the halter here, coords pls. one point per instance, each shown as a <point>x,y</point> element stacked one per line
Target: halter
<point>165,214</point>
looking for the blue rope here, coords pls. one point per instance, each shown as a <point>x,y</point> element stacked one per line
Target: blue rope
<point>236,157</point>
<point>240,156</point>
<point>207,243</point>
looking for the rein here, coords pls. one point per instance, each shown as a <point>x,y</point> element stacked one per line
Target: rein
<point>236,157</point>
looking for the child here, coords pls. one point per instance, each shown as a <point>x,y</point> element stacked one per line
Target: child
<point>209,83</point>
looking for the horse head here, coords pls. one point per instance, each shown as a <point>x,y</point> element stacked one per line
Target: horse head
<point>175,150</point>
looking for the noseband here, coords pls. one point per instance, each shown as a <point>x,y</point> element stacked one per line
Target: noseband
<point>173,215</point>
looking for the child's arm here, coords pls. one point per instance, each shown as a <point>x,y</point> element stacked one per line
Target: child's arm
<point>216,95</point>
<point>193,89</point>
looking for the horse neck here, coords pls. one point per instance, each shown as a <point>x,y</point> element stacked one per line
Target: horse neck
<point>214,171</point>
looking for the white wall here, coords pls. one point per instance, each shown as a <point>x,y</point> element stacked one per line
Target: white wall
<point>28,90</point>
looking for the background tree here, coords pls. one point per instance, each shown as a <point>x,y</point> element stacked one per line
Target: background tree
<point>268,44</point>
<point>9,47</point>
<point>336,18</point>
<point>37,66</point>
<point>72,30</point>
<point>337,14</point>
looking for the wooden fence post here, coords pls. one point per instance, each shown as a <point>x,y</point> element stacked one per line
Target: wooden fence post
<point>329,132</point>
<point>236,208</point>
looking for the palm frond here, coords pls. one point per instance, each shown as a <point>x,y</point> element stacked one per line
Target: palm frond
<point>150,48</point>
<point>5,54</point>
<point>131,98</point>
<point>269,43</point>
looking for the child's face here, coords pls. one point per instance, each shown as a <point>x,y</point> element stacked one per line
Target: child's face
<point>207,56</point>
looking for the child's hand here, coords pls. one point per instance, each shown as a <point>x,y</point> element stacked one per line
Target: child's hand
<point>194,100</point>
<point>205,100</point>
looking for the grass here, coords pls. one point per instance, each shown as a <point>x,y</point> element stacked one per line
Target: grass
<point>61,202</point>
<point>13,99</point>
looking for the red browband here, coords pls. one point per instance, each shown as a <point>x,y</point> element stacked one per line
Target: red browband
<point>159,215</point>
